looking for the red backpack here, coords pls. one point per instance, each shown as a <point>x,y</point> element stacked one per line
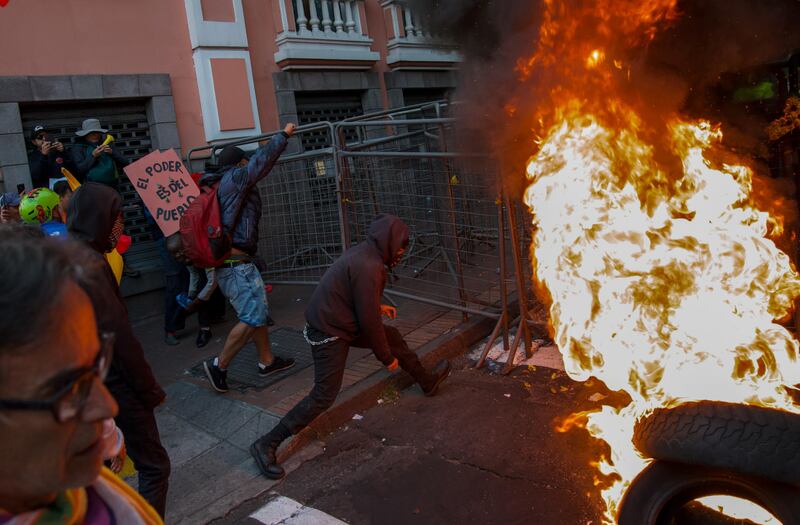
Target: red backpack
<point>206,241</point>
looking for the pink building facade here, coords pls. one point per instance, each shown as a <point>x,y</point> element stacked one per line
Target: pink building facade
<point>183,73</point>
<point>200,71</point>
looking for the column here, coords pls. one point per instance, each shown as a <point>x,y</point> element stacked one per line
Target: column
<point>302,21</point>
<point>326,16</point>
<point>337,17</point>
<point>312,8</point>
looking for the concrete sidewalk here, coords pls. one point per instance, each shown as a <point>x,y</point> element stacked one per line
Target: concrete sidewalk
<point>207,435</point>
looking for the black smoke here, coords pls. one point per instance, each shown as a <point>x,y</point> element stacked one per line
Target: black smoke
<point>679,71</point>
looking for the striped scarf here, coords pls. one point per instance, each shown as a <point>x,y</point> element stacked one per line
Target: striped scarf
<point>108,501</point>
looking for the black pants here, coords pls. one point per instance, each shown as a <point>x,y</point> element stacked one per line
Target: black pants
<point>143,443</point>
<point>329,365</point>
<point>176,281</point>
<point>212,309</point>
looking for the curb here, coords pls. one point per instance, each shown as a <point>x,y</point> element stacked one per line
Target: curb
<point>365,394</point>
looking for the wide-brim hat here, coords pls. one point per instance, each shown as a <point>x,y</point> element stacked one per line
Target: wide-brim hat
<point>90,125</point>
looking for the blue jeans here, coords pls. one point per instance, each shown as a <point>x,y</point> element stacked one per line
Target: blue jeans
<point>244,288</point>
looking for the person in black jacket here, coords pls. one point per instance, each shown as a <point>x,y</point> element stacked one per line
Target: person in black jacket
<point>46,158</point>
<point>94,217</point>
<point>344,311</point>
<point>95,160</point>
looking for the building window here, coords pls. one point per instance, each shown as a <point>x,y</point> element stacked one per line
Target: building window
<point>327,106</point>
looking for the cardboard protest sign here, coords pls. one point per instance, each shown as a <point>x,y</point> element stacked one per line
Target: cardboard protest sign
<point>165,186</point>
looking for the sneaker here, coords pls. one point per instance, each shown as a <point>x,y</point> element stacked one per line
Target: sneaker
<point>203,337</point>
<point>265,452</point>
<point>218,378</point>
<point>171,339</point>
<point>437,377</point>
<point>278,364</point>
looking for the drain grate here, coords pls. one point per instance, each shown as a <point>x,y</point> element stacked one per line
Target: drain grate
<point>242,372</point>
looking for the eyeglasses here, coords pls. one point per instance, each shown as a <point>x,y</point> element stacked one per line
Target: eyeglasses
<point>70,400</point>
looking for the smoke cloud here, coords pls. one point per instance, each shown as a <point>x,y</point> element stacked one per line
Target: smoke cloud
<point>678,71</point>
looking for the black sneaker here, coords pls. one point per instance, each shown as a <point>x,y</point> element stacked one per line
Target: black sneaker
<point>217,377</point>
<point>265,452</point>
<point>278,364</point>
<point>203,337</point>
<point>439,374</point>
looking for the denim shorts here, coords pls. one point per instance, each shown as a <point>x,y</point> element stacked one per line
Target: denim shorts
<point>244,288</point>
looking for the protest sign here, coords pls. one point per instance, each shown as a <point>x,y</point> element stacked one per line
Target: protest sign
<point>165,186</point>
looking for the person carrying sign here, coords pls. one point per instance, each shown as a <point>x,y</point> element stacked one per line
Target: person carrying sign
<point>239,279</point>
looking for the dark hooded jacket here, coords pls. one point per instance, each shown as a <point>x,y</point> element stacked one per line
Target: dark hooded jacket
<point>91,214</point>
<point>347,301</point>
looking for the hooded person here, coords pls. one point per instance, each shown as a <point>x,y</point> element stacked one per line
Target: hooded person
<point>345,310</point>
<point>95,219</point>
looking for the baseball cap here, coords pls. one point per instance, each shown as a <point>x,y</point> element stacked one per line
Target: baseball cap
<point>231,155</point>
<point>10,199</point>
<point>38,128</point>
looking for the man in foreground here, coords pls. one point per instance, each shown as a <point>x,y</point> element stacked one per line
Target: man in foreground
<point>53,403</point>
<point>345,310</point>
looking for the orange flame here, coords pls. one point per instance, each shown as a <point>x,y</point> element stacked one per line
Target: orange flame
<point>662,276</point>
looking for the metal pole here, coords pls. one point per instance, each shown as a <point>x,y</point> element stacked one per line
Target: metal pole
<point>452,213</point>
<point>502,323</point>
<point>501,228</point>
<point>339,145</point>
<point>490,342</point>
<point>434,302</point>
<point>523,331</point>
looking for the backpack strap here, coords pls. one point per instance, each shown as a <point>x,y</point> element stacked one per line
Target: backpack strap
<point>240,207</point>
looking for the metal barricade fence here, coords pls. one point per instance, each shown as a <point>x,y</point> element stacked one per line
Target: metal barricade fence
<point>316,204</point>
<point>300,230</point>
<point>450,202</point>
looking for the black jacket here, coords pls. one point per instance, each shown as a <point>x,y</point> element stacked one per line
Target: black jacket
<point>106,169</point>
<point>91,214</point>
<point>347,301</point>
<point>233,187</point>
<point>46,167</point>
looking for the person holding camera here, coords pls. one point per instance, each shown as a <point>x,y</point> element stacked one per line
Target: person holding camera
<point>96,160</point>
<point>46,158</point>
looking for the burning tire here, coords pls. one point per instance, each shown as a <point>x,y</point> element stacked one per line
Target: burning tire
<point>750,440</point>
<point>660,492</point>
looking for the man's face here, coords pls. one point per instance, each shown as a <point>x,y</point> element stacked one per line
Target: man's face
<point>41,138</point>
<point>93,137</point>
<point>38,455</point>
<point>9,214</point>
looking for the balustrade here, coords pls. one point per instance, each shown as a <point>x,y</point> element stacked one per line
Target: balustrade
<point>328,18</point>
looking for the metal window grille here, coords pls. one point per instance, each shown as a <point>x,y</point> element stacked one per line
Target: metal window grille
<point>326,107</point>
<point>127,122</point>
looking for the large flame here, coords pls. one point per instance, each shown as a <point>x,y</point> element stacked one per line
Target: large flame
<point>663,278</point>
